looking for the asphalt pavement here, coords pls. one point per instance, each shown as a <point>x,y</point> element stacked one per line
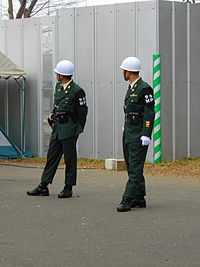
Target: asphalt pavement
<point>87,231</point>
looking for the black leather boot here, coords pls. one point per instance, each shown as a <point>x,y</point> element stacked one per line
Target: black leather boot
<point>139,203</point>
<point>66,192</point>
<point>40,190</point>
<point>125,204</point>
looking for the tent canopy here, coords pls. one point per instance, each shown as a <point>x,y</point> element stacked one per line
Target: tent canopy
<point>9,69</point>
<point>7,148</point>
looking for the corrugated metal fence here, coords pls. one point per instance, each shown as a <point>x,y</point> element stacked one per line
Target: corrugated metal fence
<point>97,39</point>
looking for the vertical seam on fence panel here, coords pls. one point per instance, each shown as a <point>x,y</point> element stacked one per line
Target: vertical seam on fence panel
<point>136,29</point>
<point>57,41</point>
<point>6,82</point>
<point>39,82</point>
<point>157,27</point>
<point>173,85</point>
<point>188,81</point>
<point>95,75</point>
<point>93,88</point>
<point>114,79</point>
<point>21,91</point>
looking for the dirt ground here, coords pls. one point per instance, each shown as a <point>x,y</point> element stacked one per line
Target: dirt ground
<point>181,168</point>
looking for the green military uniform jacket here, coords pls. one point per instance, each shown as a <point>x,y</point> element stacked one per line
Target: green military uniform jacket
<point>139,112</point>
<point>72,101</point>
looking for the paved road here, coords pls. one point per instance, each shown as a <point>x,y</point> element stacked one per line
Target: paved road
<point>86,230</point>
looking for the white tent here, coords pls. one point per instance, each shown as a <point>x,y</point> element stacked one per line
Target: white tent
<point>9,69</point>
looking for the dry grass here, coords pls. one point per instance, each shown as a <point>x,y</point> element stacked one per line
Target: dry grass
<point>179,168</point>
<point>82,162</point>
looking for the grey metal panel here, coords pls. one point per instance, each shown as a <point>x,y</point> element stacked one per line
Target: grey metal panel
<point>125,46</point>
<point>146,43</point>
<point>84,68</point>
<point>32,68</point>
<point>165,41</point>
<point>2,34</point>
<point>47,31</point>
<point>14,96</point>
<point>195,79</point>
<point>14,52</point>
<point>47,21</point>
<point>104,90</point>
<point>2,104</point>
<point>66,34</point>
<point>181,82</point>
<point>2,82</point>
<point>14,114</point>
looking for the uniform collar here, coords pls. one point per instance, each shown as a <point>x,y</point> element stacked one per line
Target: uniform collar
<point>133,83</point>
<point>65,85</point>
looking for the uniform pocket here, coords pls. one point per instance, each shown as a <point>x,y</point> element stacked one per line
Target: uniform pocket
<point>133,118</point>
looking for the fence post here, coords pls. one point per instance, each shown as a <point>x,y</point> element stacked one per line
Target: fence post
<point>157,155</point>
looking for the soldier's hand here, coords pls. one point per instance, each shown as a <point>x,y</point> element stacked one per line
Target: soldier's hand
<point>50,116</point>
<point>145,140</point>
<point>50,120</point>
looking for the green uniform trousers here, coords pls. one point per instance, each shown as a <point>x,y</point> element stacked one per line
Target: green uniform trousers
<point>134,155</point>
<point>56,149</point>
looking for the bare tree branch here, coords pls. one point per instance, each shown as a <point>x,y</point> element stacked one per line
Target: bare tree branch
<point>10,9</point>
<point>30,8</point>
<point>21,9</point>
<point>50,6</point>
<point>39,9</point>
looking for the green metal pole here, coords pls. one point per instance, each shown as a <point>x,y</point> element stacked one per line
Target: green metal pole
<point>157,152</point>
<point>24,115</point>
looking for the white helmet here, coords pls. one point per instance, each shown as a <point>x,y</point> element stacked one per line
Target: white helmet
<point>65,67</point>
<point>131,64</point>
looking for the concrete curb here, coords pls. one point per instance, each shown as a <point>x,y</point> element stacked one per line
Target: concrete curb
<point>115,164</point>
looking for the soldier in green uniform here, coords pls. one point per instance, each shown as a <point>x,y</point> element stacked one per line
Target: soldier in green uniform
<point>67,120</point>
<point>139,118</point>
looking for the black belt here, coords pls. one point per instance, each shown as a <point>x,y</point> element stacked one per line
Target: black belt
<point>62,117</point>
